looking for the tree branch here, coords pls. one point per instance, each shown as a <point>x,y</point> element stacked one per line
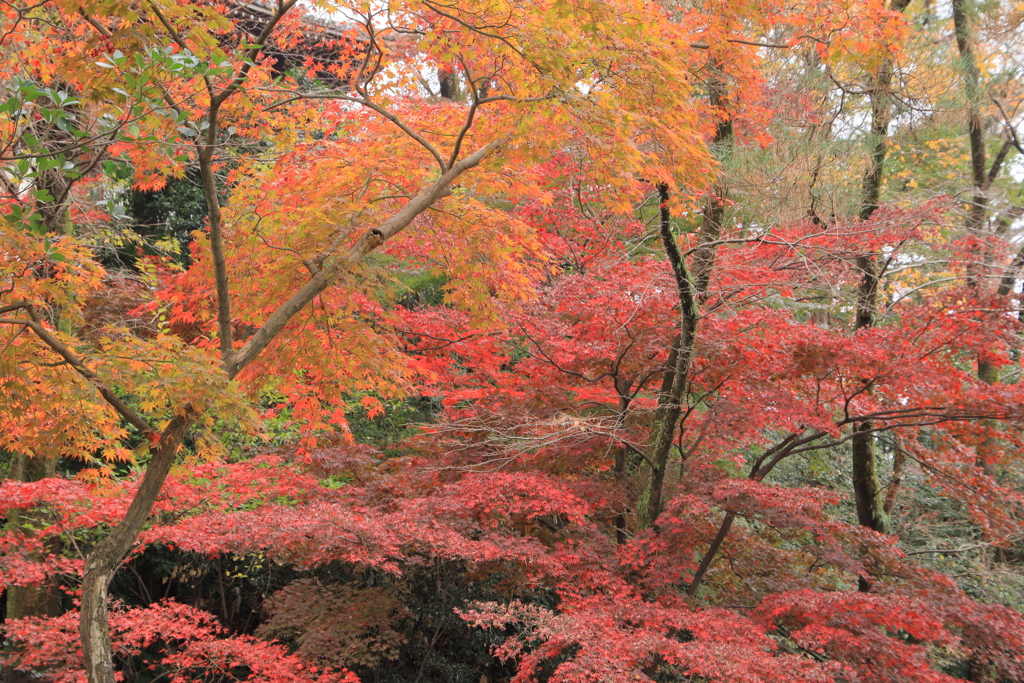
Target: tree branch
<point>369,241</point>
<point>35,324</point>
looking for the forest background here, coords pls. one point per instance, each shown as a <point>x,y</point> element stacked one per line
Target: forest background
<point>545,340</point>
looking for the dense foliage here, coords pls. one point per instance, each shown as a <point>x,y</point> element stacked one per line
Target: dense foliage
<point>548,340</point>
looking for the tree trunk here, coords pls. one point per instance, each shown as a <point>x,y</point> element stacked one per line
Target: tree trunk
<point>868,492</point>
<point>677,373</point>
<point>42,600</point>
<point>982,179</point>
<point>622,387</point>
<point>30,601</point>
<point>709,556</point>
<point>106,557</point>
<point>691,289</point>
<point>899,466</point>
<point>713,213</point>
<point>866,485</point>
<point>975,131</point>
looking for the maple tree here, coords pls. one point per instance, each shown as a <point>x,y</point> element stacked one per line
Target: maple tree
<point>548,225</point>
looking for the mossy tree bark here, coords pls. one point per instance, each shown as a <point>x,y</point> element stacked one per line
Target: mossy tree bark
<point>691,289</point>
<point>983,175</point>
<point>868,492</point>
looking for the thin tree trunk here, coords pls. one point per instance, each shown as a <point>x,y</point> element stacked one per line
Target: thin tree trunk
<point>962,25</point>
<point>622,387</point>
<point>868,492</point>
<point>690,288</point>
<point>713,213</point>
<point>982,179</point>
<point>712,552</point>
<point>42,600</point>
<point>899,467</point>
<point>666,416</point>
<point>761,468</point>
<point>30,601</point>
